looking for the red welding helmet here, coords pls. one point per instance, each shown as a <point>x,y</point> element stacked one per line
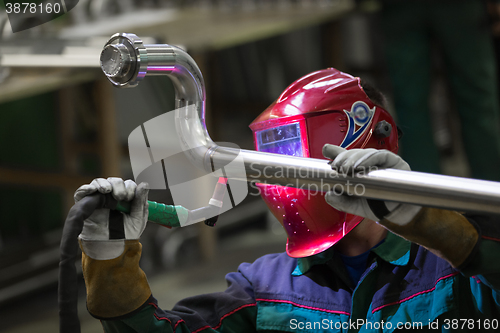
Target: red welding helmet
<point>326,106</point>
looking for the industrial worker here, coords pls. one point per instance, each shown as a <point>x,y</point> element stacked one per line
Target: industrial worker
<point>351,264</point>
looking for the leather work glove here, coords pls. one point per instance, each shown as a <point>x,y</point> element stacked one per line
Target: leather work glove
<point>111,249</point>
<point>447,234</point>
<point>105,231</point>
<point>358,160</point>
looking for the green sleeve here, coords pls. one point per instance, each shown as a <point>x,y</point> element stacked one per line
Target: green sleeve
<point>486,263</point>
<point>150,320</point>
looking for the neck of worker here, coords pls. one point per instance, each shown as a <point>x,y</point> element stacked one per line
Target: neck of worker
<point>362,238</point>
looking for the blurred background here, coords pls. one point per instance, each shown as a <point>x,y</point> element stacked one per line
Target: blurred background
<point>63,124</point>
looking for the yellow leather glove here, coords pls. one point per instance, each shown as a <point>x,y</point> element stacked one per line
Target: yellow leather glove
<point>115,283</point>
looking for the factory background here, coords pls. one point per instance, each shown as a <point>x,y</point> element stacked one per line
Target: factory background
<point>63,124</point>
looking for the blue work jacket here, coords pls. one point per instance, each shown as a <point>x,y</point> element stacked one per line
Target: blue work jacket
<point>405,286</point>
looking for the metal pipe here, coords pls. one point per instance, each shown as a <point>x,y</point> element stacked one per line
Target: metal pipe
<point>126,60</point>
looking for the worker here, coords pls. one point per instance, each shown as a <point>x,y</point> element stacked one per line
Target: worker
<point>351,264</point>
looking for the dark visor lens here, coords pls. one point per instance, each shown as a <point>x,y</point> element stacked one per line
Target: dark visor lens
<point>284,140</point>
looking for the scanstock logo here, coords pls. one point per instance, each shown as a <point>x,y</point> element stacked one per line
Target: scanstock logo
<point>158,158</point>
<point>26,14</point>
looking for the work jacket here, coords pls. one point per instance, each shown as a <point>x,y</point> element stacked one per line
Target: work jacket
<point>405,286</point>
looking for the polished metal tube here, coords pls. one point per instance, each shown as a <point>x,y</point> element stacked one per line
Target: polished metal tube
<point>456,193</point>
<point>126,61</point>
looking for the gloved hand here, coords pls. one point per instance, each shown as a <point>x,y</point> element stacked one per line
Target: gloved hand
<point>111,250</point>
<point>447,234</point>
<point>105,230</point>
<point>359,160</point>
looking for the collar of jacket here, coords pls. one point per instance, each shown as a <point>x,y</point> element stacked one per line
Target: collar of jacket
<point>394,250</point>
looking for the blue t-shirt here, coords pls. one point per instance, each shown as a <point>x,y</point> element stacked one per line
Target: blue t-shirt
<point>356,265</point>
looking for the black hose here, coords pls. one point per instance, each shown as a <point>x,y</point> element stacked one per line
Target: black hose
<point>68,278</point>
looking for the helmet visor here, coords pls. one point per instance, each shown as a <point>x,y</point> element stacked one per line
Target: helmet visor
<point>285,139</point>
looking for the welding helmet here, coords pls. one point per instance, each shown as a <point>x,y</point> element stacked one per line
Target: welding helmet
<point>326,106</point>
